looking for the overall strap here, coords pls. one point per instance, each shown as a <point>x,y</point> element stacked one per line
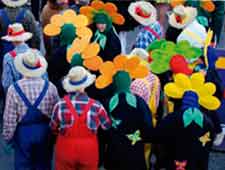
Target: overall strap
<point>5,19</point>
<point>21,15</point>
<point>13,53</point>
<point>22,95</point>
<point>42,94</point>
<point>70,106</point>
<point>153,32</point>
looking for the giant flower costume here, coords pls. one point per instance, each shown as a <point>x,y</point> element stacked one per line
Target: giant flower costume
<point>68,26</point>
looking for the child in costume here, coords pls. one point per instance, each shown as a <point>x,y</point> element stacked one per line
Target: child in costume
<point>75,120</point>
<point>28,109</point>
<point>130,115</point>
<point>103,15</point>
<point>145,13</point>
<point>189,132</point>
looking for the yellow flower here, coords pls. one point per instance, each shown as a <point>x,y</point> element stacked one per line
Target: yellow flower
<point>196,83</point>
<point>108,69</point>
<point>79,22</point>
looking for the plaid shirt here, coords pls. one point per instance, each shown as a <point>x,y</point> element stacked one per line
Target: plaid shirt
<point>62,118</point>
<point>144,88</point>
<point>145,38</point>
<point>15,108</point>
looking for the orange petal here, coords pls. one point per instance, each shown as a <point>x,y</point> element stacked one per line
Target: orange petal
<point>93,63</point>
<point>97,4</point>
<point>87,11</point>
<point>132,64</point>
<point>91,50</point>
<point>107,68</point>
<point>79,21</point>
<point>57,20</point>
<point>84,32</point>
<point>110,7</point>
<point>103,81</point>
<point>117,18</point>
<point>52,30</point>
<point>140,72</point>
<point>119,62</point>
<point>67,15</point>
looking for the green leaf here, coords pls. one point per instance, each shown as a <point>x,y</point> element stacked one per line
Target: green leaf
<point>114,101</point>
<point>131,100</point>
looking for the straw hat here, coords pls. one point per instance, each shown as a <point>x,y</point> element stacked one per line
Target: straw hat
<point>140,52</point>
<point>182,16</point>
<point>31,63</point>
<point>14,3</point>
<point>16,32</point>
<point>143,12</point>
<point>78,78</point>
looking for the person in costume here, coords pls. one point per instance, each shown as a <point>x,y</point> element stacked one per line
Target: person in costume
<point>17,36</point>
<point>189,132</point>
<point>76,119</point>
<point>145,13</point>
<point>129,113</point>
<point>102,16</point>
<point>29,105</point>
<point>67,26</point>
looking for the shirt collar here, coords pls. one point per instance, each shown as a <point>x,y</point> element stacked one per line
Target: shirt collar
<point>21,47</point>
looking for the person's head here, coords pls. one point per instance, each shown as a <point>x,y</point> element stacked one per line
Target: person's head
<point>31,64</point>
<point>78,79</point>
<point>14,3</point>
<point>103,22</point>
<point>101,27</point>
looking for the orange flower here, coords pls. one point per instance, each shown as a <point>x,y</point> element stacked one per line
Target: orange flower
<point>87,51</point>
<point>79,22</point>
<point>109,8</point>
<point>208,5</point>
<point>120,63</point>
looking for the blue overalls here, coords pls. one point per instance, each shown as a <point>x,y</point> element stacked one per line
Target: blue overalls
<point>31,139</point>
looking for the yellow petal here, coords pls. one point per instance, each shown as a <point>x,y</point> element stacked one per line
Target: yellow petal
<point>209,102</point>
<point>103,81</point>
<point>197,80</point>
<point>107,68</point>
<point>52,30</point>
<point>93,63</point>
<point>220,63</point>
<point>140,72</point>
<point>210,88</point>
<point>91,50</point>
<point>97,4</point>
<point>110,7</point>
<point>182,81</point>
<point>57,20</point>
<point>80,21</point>
<point>131,64</point>
<point>119,62</point>
<point>84,32</point>
<point>68,15</point>
<point>118,18</point>
<point>173,91</point>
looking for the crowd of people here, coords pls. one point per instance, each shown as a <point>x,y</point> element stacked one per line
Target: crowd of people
<point>90,85</point>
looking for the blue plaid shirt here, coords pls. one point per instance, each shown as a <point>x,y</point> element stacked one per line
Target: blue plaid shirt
<point>10,74</point>
<point>145,38</point>
<point>63,119</point>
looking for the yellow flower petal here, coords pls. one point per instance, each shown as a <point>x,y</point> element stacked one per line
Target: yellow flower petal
<point>97,4</point>
<point>182,81</point>
<point>91,50</point>
<point>84,32</point>
<point>197,80</point>
<point>103,81</point>
<point>131,64</point>
<point>140,72</point>
<point>68,15</point>
<point>220,63</point>
<point>51,30</point>
<point>107,68</point>
<point>79,21</point>
<point>209,102</point>
<point>93,63</point>
<point>57,20</point>
<point>174,91</point>
<point>119,62</point>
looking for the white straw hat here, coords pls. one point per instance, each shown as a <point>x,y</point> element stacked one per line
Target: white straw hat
<point>182,16</point>
<point>31,63</point>
<point>140,52</point>
<point>143,12</point>
<point>78,78</point>
<point>16,32</point>
<point>14,3</point>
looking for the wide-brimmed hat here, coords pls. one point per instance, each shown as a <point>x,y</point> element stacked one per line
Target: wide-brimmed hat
<point>78,78</point>
<point>143,12</point>
<point>182,16</point>
<point>14,3</point>
<point>31,63</point>
<point>16,32</point>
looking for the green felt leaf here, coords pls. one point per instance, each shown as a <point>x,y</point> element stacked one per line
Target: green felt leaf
<point>114,101</point>
<point>131,100</point>
<point>155,45</point>
<point>193,115</point>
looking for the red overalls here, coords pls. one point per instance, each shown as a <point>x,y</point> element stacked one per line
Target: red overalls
<point>77,149</point>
